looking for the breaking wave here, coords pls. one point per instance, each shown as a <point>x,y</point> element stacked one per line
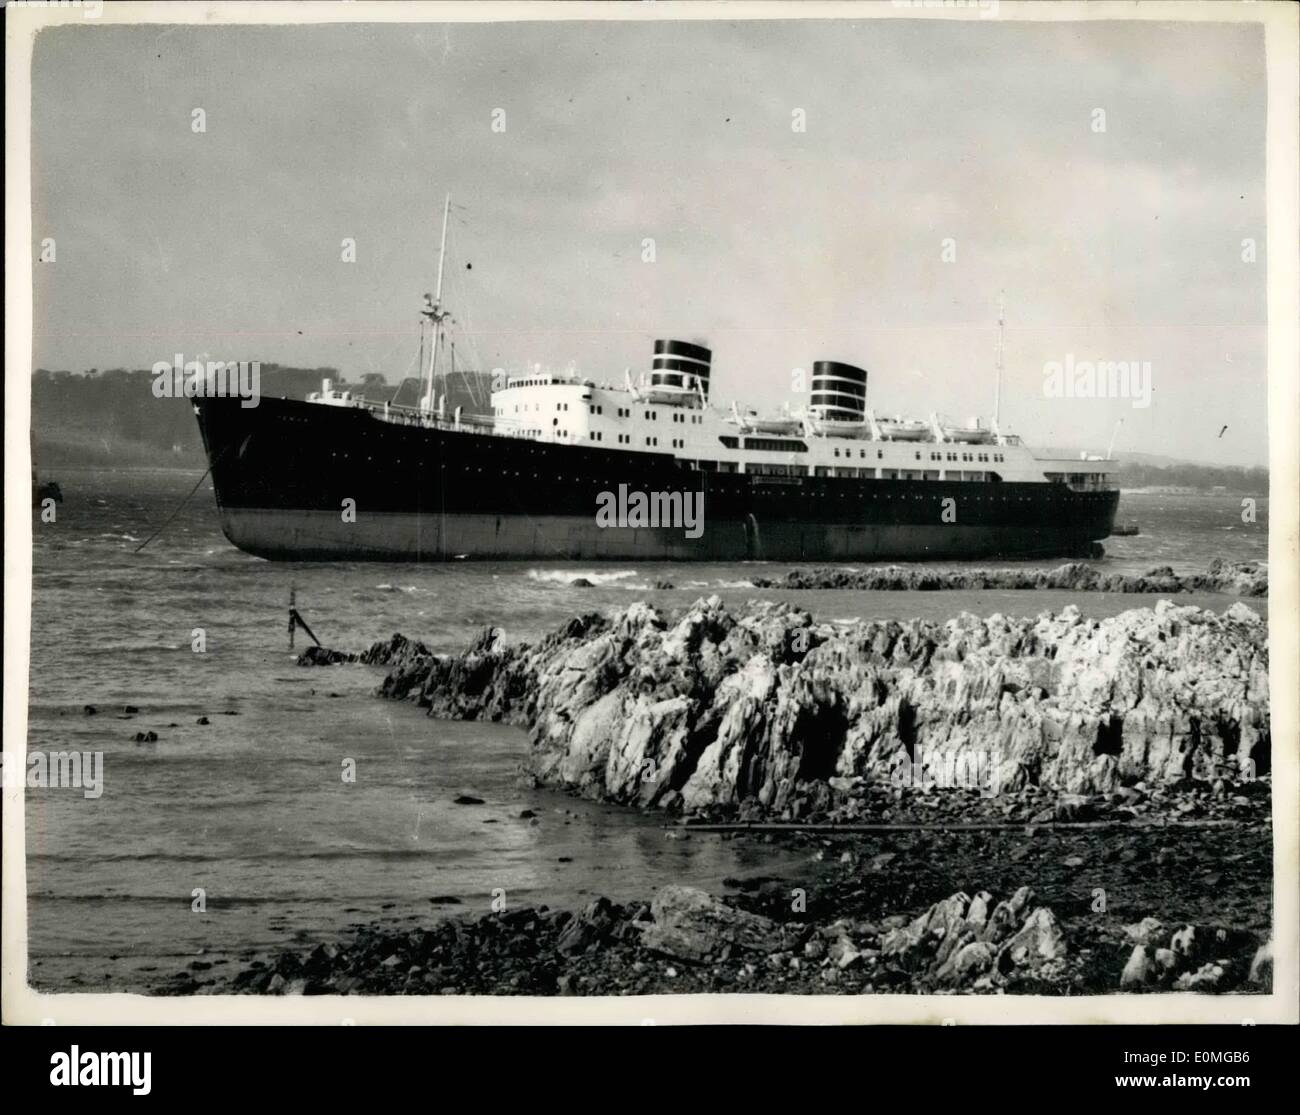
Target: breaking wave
<point>567,577</point>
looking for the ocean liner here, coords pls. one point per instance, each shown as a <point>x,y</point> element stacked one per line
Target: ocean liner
<point>340,477</point>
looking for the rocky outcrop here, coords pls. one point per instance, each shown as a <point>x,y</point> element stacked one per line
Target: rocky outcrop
<point>770,712</point>
<point>964,941</point>
<point>686,940</point>
<point>1192,958</point>
<point>399,653</point>
<point>324,656</point>
<point>1235,578</point>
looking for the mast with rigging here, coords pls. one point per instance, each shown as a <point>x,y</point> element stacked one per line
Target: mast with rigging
<point>435,314</point>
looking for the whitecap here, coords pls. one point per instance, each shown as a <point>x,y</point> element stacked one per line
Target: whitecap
<point>567,577</point>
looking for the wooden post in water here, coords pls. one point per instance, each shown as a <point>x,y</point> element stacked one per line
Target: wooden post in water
<point>296,620</point>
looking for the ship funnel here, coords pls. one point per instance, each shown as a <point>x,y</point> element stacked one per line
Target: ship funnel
<point>679,365</point>
<point>839,392</point>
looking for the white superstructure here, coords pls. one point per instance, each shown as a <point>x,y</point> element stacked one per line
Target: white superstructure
<point>649,417</point>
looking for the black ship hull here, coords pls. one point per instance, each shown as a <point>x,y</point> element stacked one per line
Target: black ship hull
<point>298,481</point>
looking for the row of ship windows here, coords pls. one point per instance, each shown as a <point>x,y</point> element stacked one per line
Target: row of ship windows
<point>757,469</point>
<point>880,455</point>
<point>730,467</point>
<point>865,473</point>
<point>795,470</point>
<point>964,456</point>
<point>622,439</point>
<point>593,408</point>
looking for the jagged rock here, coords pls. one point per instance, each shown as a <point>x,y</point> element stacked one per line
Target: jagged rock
<point>1239,578</point>
<point>690,924</point>
<point>759,710</point>
<point>843,953</point>
<point>957,941</point>
<point>1205,978</point>
<point>1197,958</point>
<point>1038,942</point>
<point>1138,969</point>
<point>1261,966</point>
<point>977,915</point>
<point>1184,943</point>
<point>588,928</point>
<point>323,656</point>
<point>973,959</point>
<point>1146,931</point>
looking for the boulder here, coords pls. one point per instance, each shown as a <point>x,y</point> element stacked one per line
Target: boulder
<point>1138,969</point>
<point>1038,941</point>
<point>589,927</point>
<point>1146,931</point>
<point>691,925</point>
<point>1261,965</point>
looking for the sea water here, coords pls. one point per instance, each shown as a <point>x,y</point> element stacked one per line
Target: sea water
<point>220,840</point>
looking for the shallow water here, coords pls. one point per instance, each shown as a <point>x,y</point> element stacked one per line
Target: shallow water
<point>252,809</point>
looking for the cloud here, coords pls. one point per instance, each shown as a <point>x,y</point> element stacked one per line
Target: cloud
<point>779,246</point>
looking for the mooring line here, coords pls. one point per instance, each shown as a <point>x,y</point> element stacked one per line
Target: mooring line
<point>181,506</point>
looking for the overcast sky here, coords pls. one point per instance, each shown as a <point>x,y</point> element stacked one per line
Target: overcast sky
<point>777,247</point>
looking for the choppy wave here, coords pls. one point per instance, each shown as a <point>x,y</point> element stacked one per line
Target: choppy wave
<point>128,648</point>
<point>567,576</point>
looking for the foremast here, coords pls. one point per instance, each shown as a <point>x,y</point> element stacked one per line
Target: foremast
<point>436,316</point>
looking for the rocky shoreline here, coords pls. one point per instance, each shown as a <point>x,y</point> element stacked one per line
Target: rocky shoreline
<point>1233,578</point>
<point>1121,765</point>
<point>1170,910</point>
<point>768,714</point>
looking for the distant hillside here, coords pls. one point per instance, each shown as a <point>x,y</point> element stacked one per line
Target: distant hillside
<point>112,419</point>
<point>1182,474</point>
